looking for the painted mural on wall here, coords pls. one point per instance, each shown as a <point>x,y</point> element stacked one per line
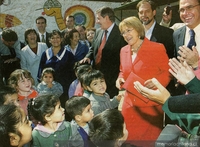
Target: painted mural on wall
<point>83,15</point>
<point>28,10</point>
<point>8,21</point>
<point>53,8</point>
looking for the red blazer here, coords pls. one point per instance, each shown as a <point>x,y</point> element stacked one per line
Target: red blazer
<point>143,117</point>
<point>150,62</point>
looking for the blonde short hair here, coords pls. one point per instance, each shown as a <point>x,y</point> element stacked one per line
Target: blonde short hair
<point>135,23</point>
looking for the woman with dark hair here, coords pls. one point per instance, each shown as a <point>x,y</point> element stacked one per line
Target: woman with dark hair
<point>15,128</point>
<point>61,60</point>
<point>31,53</point>
<point>108,129</point>
<point>78,49</point>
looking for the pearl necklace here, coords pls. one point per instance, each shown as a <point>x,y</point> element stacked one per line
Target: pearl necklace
<point>135,50</point>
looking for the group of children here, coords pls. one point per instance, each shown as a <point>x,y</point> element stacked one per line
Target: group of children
<point>88,101</point>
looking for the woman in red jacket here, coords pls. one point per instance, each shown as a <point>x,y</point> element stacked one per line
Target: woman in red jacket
<point>141,60</point>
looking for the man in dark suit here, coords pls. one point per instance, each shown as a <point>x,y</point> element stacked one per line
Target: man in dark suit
<point>109,53</point>
<point>190,15</point>
<point>155,32</point>
<point>42,35</point>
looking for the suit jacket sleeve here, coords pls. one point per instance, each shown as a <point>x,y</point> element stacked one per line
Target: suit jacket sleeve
<point>184,103</point>
<point>184,111</point>
<point>193,86</point>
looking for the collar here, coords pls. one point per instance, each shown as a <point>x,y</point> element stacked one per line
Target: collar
<point>150,30</point>
<point>99,98</point>
<point>30,96</point>
<point>42,34</point>
<point>110,29</point>
<point>43,83</point>
<point>46,132</point>
<point>60,55</point>
<point>73,51</point>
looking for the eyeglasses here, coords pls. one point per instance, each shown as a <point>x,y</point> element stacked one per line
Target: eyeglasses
<point>127,31</point>
<point>188,8</point>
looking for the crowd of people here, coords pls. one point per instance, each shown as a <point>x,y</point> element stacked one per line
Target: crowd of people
<point>112,86</point>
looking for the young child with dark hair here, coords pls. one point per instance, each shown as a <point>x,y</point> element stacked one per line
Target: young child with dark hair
<point>48,85</point>
<point>108,129</point>
<point>77,88</point>
<point>51,129</point>
<point>100,100</point>
<point>79,109</point>
<point>15,128</point>
<point>23,82</point>
<point>8,95</point>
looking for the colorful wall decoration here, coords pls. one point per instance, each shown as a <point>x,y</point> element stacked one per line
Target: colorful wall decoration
<point>8,21</point>
<point>83,15</point>
<point>53,8</point>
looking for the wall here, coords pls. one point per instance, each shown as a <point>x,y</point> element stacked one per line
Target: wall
<point>28,10</point>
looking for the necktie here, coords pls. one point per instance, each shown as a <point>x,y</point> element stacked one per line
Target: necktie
<point>43,40</point>
<point>192,39</point>
<point>99,53</point>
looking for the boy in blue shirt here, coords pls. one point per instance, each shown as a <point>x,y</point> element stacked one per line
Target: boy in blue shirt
<point>79,109</point>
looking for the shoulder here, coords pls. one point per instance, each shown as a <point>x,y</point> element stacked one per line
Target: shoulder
<point>43,45</point>
<point>35,133</point>
<point>67,124</point>
<point>25,48</point>
<point>153,45</point>
<point>180,30</point>
<point>163,29</point>
<point>116,29</point>
<point>56,83</point>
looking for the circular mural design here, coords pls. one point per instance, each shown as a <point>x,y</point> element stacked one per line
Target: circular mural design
<point>82,14</point>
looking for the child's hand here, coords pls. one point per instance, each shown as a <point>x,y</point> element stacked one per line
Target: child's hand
<point>120,96</point>
<point>49,85</point>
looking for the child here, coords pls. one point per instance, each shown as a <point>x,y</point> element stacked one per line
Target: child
<point>8,95</point>
<point>100,100</point>
<point>77,88</point>
<point>79,109</point>
<point>15,129</point>
<point>108,129</point>
<point>22,81</point>
<point>48,85</point>
<point>51,129</point>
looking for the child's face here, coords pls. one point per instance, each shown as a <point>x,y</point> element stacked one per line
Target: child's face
<point>11,99</point>
<point>98,86</point>
<point>58,114</point>
<point>24,85</point>
<point>47,78</point>
<point>25,129</point>
<point>87,114</point>
<point>90,35</point>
